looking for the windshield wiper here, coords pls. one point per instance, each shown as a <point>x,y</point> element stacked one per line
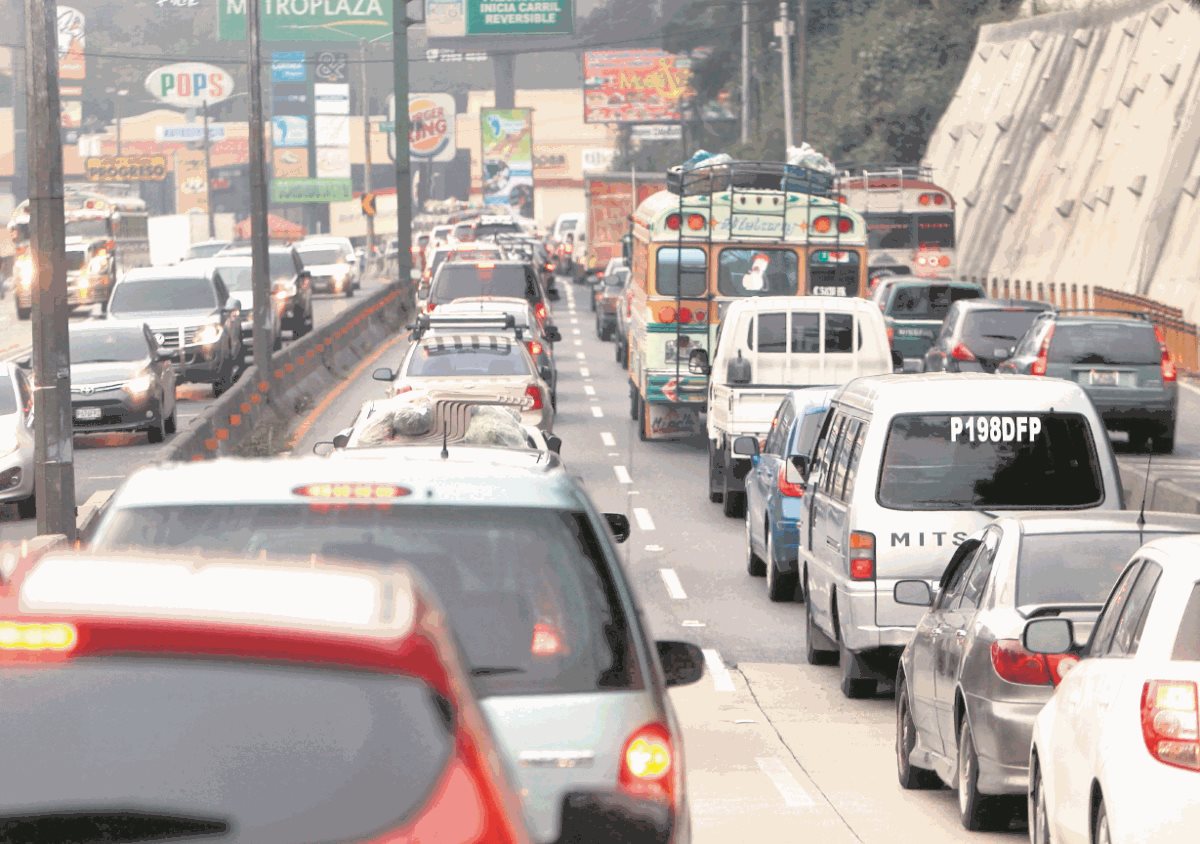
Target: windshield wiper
<point>492,670</point>
<point>83,826</point>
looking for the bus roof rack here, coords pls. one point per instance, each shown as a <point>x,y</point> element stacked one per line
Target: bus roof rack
<point>920,172</point>
<point>748,175</point>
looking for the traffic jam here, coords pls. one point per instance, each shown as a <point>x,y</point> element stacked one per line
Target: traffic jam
<point>687,513</point>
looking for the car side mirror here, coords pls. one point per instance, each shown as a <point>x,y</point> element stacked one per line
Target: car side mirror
<point>552,294</point>
<point>1049,636</point>
<point>698,362</point>
<point>897,360</point>
<point>384,374</point>
<point>739,370</point>
<point>323,448</point>
<point>682,662</point>
<point>745,447</point>
<point>554,443</point>
<point>553,334</point>
<point>233,304</point>
<point>603,816</point>
<point>618,523</point>
<point>912,593</point>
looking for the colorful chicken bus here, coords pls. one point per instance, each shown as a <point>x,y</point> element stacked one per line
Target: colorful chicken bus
<point>910,219</point>
<point>721,233</point>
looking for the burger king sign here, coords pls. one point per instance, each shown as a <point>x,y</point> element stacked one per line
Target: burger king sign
<point>431,127</point>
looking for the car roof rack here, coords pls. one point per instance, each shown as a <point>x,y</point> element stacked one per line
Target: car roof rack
<point>1112,311</point>
<point>425,322</point>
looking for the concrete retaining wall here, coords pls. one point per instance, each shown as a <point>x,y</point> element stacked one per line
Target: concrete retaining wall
<point>1073,148</point>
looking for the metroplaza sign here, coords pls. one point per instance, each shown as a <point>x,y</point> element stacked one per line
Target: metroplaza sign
<point>308,20</point>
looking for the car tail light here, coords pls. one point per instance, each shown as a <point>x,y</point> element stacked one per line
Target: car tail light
<point>944,260</point>
<point>666,314</point>
<point>1167,364</point>
<point>547,641</point>
<point>1171,722</point>
<point>534,392</point>
<point>862,555</point>
<point>36,641</point>
<point>352,491</point>
<point>791,485</point>
<point>1013,664</point>
<point>961,352</point>
<point>647,764</point>
<point>1038,367</point>
<point>429,306</point>
<point>674,223</point>
<point>535,348</point>
<point>540,311</point>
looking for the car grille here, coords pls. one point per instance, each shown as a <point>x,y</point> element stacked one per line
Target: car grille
<point>171,336</point>
<point>92,389</point>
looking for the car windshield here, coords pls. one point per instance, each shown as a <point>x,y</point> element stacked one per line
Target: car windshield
<point>120,345</point>
<point>258,753</point>
<point>319,257</point>
<point>237,277</point>
<point>987,330</point>
<point>281,262</point>
<point>452,358</point>
<point>1073,568</point>
<point>163,294</point>
<point>205,250</point>
<point>87,228</point>
<point>940,461</point>
<point>8,396</point>
<point>456,280</point>
<point>1118,343</point>
<point>927,301</point>
<point>527,590</point>
<point>76,259</point>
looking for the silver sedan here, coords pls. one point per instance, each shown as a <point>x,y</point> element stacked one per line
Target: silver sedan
<point>967,692</point>
<point>16,440</point>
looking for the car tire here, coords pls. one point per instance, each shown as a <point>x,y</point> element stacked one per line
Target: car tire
<point>157,432</point>
<point>1039,817</point>
<point>813,654</point>
<point>910,776</point>
<point>977,811</point>
<point>854,688</point>
<point>781,587</point>
<point>633,401</point>
<point>223,382</point>
<point>643,420</point>
<point>733,502</point>
<point>24,313</point>
<point>349,291</point>
<point>715,494</point>
<point>27,507</point>
<point>172,425</point>
<point>1101,833</point>
<point>755,566</point>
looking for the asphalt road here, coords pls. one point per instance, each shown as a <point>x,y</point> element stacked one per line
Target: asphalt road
<point>103,460</point>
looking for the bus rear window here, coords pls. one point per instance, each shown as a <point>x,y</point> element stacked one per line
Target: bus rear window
<point>889,231</point>
<point>1007,461</point>
<point>757,272</point>
<point>691,282</point>
<point>935,230</point>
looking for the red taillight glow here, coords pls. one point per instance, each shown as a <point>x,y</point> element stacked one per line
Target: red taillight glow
<point>862,555</point>
<point>534,392</point>
<point>944,261</point>
<point>790,484</point>
<point>1171,722</point>
<point>1013,664</point>
<point>891,333</point>
<point>540,311</point>
<point>352,491</point>
<point>429,306</point>
<point>1038,367</point>
<point>547,641</point>
<point>647,764</point>
<point>666,314</point>
<point>961,352</point>
<point>701,316</point>
<point>535,348</point>
<point>1167,364</point>
<point>486,265</point>
<point>685,315</point>
<point>674,223</point>
<point>823,225</point>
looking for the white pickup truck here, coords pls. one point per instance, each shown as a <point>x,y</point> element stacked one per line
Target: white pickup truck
<point>767,346</point>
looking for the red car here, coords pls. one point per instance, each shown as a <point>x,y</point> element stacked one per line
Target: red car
<point>156,699</point>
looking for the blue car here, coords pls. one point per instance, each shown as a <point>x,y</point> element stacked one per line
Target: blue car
<point>775,489</point>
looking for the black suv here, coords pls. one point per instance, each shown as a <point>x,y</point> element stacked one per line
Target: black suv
<point>468,279</point>
<point>291,287</point>
<point>978,334</point>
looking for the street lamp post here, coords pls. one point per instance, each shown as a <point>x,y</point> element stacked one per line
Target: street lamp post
<point>118,102</point>
<point>259,235</point>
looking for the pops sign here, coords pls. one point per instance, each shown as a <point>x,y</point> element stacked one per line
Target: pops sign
<point>189,84</point>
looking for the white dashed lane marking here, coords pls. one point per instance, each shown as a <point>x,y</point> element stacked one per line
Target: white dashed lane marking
<point>622,475</point>
<point>722,680</point>
<point>608,439</point>
<point>643,518</point>
<point>793,794</point>
<point>589,390</point>
<point>674,586</point>
<point>597,412</point>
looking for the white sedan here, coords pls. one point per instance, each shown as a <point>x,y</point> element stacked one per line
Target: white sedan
<point>1116,751</point>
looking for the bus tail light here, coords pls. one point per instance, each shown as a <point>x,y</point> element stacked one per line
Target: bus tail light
<point>825,225</point>
<point>648,764</point>
<point>534,392</point>
<point>696,222</point>
<point>1038,367</point>
<point>701,316</point>
<point>685,315</point>
<point>674,222</point>
<point>862,555</point>
<point>1167,364</point>
<point>666,314</point>
<point>1171,722</point>
<point>944,261</point>
<point>961,352</point>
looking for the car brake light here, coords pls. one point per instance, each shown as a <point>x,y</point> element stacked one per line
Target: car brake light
<point>961,352</point>
<point>486,265</point>
<point>36,640</point>
<point>1171,722</point>
<point>539,310</point>
<point>944,260</point>
<point>647,764</point>
<point>1038,367</point>
<point>534,392</point>
<point>862,555</point>
<point>352,491</point>
<point>546,641</point>
<point>1013,664</point>
<point>1167,364</point>
<point>535,348</point>
<point>791,485</point>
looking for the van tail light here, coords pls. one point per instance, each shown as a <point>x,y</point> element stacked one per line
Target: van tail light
<point>1038,367</point>
<point>429,306</point>
<point>547,641</point>
<point>891,332</point>
<point>648,764</point>
<point>540,311</point>
<point>862,555</point>
<point>534,392</point>
<point>961,352</point>
<point>791,485</point>
<point>1171,722</point>
<point>535,348</point>
<point>1013,664</point>
<point>1167,364</point>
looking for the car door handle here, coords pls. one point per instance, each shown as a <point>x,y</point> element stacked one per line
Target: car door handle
<point>836,546</point>
<point>938,631</point>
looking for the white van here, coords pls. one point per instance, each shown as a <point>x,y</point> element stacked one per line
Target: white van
<point>906,468</point>
<point>768,346</point>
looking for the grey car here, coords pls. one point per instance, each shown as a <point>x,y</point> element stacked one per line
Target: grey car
<point>524,564</point>
<point>1119,358</point>
<point>967,692</point>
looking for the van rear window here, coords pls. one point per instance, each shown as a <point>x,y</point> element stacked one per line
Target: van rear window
<point>942,461</point>
<point>805,333</point>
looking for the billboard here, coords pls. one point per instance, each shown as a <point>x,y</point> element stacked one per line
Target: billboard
<point>634,86</point>
<point>305,20</point>
<point>507,146</point>
<point>71,43</point>
<point>190,194</point>
<point>126,168</point>
<point>311,190</point>
<point>189,84</point>
<point>459,18</point>
<point>431,127</point>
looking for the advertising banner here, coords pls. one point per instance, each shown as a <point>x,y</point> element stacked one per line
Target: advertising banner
<point>71,43</point>
<point>333,163</point>
<point>329,66</point>
<point>189,84</point>
<point>290,163</point>
<point>311,190</point>
<point>189,182</point>
<point>288,67</point>
<point>431,133</point>
<point>332,130</point>
<point>188,133</point>
<point>289,131</point>
<point>634,86</point>
<point>507,141</point>
<point>126,168</point>
<point>331,99</point>
<point>308,20</point>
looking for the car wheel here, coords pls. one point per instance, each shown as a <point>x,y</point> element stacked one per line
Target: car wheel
<point>618,353</point>
<point>755,566</point>
<point>715,494</point>
<point>1039,817</point>
<point>349,292</point>
<point>1101,834</point>
<point>855,688</point>
<point>813,653</point>
<point>643,419</point>
<point>911,777</point>
<point>633,401</point>
<point>733,503</point>
<point>172,424</point>
<point>24,313</point>
<point>27,507</point>
<point>975,810</point>
<point>222,383</point>
<point>157,432</point>
<point>781,587</point>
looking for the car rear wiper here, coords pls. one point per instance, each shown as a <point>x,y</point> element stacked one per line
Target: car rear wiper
<point>85,826</point>
<point>492,670</point>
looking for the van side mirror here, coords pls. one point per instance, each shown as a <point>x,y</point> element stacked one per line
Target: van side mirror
<point>682,662</point>
<point>698,362</point>
<point>618,523</point>
<point>595,816</point>
<point>739,370</point>
<point>553,334</point>
<point>554,443</point>
<point>1049,636</point>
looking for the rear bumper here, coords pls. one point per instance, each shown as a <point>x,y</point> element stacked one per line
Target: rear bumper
<point>1121,414</point>
<point>856,611</point>
<point>1002,733</point>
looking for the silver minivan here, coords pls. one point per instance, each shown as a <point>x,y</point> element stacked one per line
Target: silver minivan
<point>907,467</point>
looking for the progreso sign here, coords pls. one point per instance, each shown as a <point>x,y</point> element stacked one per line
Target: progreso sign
<point>308,20</point>
<point>126,168</point>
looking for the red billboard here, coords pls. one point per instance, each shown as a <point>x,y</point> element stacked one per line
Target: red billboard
<point>609,207</point>
<point>634,86</point>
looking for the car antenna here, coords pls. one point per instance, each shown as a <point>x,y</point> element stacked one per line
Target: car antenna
<point>445,438</point>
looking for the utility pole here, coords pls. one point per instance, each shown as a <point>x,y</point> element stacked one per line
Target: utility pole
<point>367,153</point>
<point>54,469</point>
<point>20,182</point>
<point>208,205</point>
<point>745,71</point>
<point>802,69</point>
<point>259,235</point>
<point>404,207</point>
<point>783,30</point>
<point>504,66</point>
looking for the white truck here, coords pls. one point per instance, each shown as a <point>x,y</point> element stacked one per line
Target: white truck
<point>767,346</point>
